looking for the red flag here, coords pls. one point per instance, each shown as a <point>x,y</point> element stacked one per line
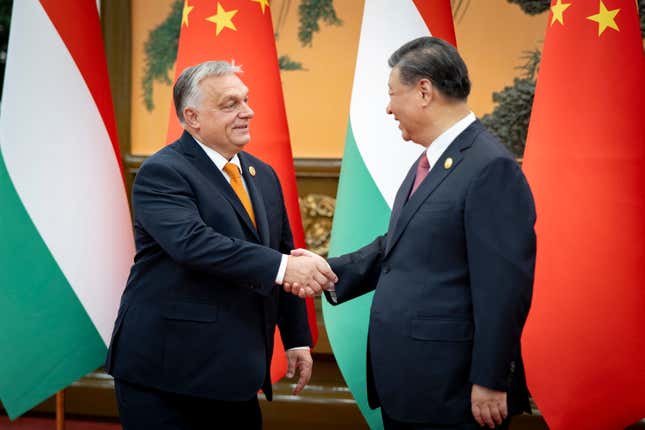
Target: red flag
<point>242,32</point>
<point>584,340</point>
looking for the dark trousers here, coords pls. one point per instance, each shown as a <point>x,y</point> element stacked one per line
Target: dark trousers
<point>142,408</point>
<point>391,424</point>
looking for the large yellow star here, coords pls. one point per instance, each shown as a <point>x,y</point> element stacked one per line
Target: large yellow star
<point>223,19</point>
<point>605,18</point>
<point>558,12</point>
<point>263,4</point>
<point>185,13</point>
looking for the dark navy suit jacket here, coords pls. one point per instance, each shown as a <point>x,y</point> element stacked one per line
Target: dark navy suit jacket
<point>199,311</point>
<point>453,281</point>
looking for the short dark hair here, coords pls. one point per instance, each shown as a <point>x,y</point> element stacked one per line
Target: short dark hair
<point>434,59</point>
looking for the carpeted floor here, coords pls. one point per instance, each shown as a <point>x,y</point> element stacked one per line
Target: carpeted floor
<point>28,423</point>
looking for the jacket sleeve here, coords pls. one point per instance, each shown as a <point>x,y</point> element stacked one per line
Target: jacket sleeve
<point>358,272</point>
<point>165,206</point>
<point>501,245</point>
<point>292,311</point>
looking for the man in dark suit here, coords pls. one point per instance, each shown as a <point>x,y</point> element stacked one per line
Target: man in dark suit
<point>193,338</point>
<point>453,275</point>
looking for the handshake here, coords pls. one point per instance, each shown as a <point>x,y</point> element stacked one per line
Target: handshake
<point>307,274</point>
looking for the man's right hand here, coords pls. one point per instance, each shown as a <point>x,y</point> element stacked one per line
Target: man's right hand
<point>488,406</point>
<point>307,275</point>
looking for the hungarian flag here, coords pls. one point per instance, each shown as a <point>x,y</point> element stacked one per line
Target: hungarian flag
<point>66,235</point>
<point>375,162</point>
<point>584,340</point>
<point>241,32</point>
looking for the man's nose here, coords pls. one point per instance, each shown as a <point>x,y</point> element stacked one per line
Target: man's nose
<point>246,111</point>
<point>388,110</point>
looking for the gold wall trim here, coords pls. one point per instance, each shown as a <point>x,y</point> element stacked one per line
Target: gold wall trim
<point>317,167</point>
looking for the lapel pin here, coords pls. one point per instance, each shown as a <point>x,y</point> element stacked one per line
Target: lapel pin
<point>448,163</point>
<point>252,170</point>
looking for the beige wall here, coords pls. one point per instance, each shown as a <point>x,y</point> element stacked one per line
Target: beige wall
<point>148,129</point>
<point>317,99</point>
<point>491,36</point>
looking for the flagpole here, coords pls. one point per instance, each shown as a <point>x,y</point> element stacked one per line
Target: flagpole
<point>60,410</point>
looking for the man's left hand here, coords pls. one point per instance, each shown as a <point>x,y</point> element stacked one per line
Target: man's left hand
<point>488,406</point>
<point>299,359</point>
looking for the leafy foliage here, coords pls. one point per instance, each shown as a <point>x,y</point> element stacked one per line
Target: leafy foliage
<point>641,12</point>
<point>312,11</point>
<point>532,7</point>
<point>286,63</point>
<point>509,121</point>
<point>161,52</point>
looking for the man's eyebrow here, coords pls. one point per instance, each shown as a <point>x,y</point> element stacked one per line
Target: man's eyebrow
<point>229,97</point>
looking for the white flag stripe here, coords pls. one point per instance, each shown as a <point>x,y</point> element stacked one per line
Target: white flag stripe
<point>63,166</point>
<point>386,155</point>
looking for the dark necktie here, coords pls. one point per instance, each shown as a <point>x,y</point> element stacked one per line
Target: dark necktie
<point>423,167</point>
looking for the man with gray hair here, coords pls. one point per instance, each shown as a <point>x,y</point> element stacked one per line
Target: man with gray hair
<point>193,338</point>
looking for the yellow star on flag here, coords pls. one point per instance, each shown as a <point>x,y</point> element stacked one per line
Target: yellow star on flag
<point>263,4</point>
<point>558,12</point>
<point>223,19</point>
<point>185,13</point>
<point>605,18</point>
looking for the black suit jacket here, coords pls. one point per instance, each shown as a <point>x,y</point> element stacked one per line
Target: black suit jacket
<point>199,311</point>
<point>453,279</point>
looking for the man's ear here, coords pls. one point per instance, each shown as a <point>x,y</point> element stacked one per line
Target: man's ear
<point>425,88</point>
<point>191,117</point>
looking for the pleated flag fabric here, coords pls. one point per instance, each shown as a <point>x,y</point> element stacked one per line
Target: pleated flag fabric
<point>66,236</point>
<point>375,162</point>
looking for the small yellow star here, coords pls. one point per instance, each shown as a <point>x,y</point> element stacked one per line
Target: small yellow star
<point>605,18</point>
<point>223,19</point>
<point>558,12</point>
<point>263,4</point>
<point>185,13</point>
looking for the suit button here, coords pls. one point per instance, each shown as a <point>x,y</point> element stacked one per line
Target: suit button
<point>386,269</point>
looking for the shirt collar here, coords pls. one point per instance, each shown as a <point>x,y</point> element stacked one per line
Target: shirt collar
<point>441,143</point>
<point>217,158</point>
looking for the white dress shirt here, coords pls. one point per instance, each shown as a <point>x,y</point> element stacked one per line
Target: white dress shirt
<point>220,161</point>
<point>441,143</point>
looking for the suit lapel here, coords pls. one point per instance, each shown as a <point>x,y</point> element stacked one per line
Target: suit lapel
<point>261,217</point>
<point>435,177</point>
<point>400,199</point>
<point>209,170</point>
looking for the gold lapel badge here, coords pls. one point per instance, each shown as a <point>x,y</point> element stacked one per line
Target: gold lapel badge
<point>252,170</point>
<point>448,163</point>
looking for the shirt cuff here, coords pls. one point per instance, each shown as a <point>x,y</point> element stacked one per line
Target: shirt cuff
<point>332,295</point>
<point>279,277</point>
<point>298,347</point>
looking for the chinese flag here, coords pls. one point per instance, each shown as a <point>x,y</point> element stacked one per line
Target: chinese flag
<point>241,31</point>
<point>584,342</point>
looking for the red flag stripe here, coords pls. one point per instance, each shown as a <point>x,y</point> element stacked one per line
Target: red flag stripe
<point>78,24</point>
<point>438,18</point>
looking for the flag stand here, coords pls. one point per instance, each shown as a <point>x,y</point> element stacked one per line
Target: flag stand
<point>60,410</point>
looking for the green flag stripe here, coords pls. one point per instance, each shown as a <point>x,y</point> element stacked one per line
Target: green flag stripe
<point>361,215</point>
<point>47,340</point>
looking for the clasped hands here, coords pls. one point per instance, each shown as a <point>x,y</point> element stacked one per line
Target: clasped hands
<point>307,274</point>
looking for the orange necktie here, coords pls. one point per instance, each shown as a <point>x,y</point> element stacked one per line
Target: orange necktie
<point>238,186</point>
